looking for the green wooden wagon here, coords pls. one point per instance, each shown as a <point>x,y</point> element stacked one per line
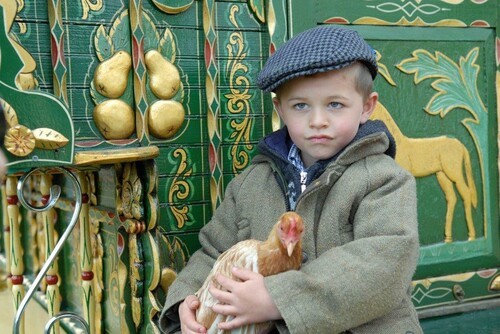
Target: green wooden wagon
<point>138,113</point>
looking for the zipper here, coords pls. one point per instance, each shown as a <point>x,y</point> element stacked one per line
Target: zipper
<point>284,188</point>
<point>303,179</point>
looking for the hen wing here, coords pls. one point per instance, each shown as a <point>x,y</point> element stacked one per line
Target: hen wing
<point>241,255</point>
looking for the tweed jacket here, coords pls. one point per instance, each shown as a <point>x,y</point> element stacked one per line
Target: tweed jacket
<point>360,242</point>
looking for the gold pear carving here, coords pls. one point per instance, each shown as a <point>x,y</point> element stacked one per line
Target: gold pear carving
<point>114,119</point>
<point>164,78</point>
<point>165,118</point>
<point>111,76</point>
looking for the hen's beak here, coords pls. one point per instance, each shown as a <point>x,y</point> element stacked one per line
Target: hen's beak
<point>290,246</point>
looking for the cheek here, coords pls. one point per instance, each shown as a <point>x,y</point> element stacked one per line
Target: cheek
<point>348,127</point>
<point>294,124</point>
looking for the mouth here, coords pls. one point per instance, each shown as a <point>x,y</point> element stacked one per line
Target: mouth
<point>319,139</point>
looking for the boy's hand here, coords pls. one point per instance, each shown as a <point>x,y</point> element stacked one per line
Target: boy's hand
<point>187,315</point>
<point>247,301</point>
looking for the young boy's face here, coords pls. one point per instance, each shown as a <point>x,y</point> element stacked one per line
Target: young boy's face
<point>323,112</point>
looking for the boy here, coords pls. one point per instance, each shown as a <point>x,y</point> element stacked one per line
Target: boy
<point>335,168</point>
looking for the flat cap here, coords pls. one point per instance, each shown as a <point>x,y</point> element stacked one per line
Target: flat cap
<point>316,50</point>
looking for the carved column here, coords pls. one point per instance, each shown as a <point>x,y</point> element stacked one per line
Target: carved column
<point>52,277</point>
<point>16,251</point>
<point>6,231</point>
<point>88,299</point>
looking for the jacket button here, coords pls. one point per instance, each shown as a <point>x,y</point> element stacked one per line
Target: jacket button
<point>304,257</point>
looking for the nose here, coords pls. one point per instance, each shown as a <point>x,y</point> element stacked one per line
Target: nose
<point>318,119</point>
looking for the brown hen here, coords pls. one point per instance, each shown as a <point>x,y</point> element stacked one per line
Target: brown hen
<point>281,251</point>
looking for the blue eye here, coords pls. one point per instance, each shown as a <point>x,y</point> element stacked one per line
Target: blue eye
<point>335,105</point>
<point>300,106</point>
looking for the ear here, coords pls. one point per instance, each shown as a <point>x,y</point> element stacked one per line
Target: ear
<point>277,106</point>
<point>369,107</point>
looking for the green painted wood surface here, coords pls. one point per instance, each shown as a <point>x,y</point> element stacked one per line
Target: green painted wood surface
<point>244,37</point>
<point>484,322</point>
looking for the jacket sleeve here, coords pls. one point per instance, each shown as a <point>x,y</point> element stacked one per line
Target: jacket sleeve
<point>352,284</point>
<point>215,237</point>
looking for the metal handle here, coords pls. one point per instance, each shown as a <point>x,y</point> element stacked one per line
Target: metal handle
<point>55,192</point>
<point>61,315</point>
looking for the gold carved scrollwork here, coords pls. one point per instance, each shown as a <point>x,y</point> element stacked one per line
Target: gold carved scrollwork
<point>131,196</point>
<point>238,99</point>
<point>180,189</point>
<point>131,211</point>
<point>136,278</point>
<point>90,5</point>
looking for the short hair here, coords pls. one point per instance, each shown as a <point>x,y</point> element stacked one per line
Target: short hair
<point>363,80</point>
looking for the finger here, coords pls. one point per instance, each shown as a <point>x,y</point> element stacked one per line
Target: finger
<point>236,322</point>
<point>225,282</point>
<point>192,302</point>
<point>187,314</point>
<point>225,310</point>
<point>193,327</point>
<point>221,295</point>
<point>243,274</point>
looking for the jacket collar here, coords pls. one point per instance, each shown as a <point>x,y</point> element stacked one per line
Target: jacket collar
<point>277,144</point>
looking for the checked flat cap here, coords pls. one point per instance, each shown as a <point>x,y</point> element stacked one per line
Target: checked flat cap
<point>316,50</point>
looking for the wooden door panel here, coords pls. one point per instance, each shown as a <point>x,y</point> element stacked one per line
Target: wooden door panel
<point>437,84</point>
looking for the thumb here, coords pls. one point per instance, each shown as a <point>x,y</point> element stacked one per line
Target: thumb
<point>243,274</point>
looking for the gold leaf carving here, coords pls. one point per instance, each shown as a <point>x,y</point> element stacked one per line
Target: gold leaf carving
<point>239,99</point>
<point>49,139</point>
<point>173,6</point>
<point>20,141</point>
<point>26,81</point>
<point>180,189</point>
<point>495,284</point>
<point>9,113</point>
<point>164,78</point>
<point>90,5</point>
<point>110,77</point>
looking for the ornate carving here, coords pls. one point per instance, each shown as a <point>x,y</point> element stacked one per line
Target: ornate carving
<point>60,70</point>
<point>90,5</point>
<point>238,99</point>
<point>136,275</point>
<point>86,256</point>
<point>111,75</point>
<point>173,6</point>
<point>21,141</point>
<point>180,189</point>
<point>112,79</point>
<point>131,193</point>
<point>443,156</point>
<point>456,86</point>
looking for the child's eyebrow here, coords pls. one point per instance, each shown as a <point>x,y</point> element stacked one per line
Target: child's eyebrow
<point>331,97</point>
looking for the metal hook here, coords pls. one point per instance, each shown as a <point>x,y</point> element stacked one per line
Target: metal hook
<point>55,192</point>
<point>61,315</point>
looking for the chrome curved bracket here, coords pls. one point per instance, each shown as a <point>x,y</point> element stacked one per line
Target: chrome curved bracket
<point>55,192</point>
<point>61,315</point>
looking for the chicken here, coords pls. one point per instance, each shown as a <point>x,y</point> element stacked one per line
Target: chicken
<point>281,251</point>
